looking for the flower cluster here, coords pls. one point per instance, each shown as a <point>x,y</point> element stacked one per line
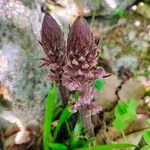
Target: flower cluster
<point>73,64</point>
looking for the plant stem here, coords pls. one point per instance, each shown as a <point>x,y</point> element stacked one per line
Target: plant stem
<point>124,137</point>
<point>86,119</point>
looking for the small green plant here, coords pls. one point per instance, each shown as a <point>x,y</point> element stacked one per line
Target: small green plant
<point>124,113</point>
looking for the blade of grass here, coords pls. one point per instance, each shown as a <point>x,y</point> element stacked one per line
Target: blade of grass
<point>68,128</point>
<point>74,139</point>
<point>49,106</point>
<point>64,116</point>
<point>107,147</point>
<point>58,146</point>
<point>56,112</point>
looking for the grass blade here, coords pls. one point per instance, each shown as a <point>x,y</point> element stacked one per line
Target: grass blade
<point>107,147</point>
<point>58,146</point>
<point>64,116</point>
<point>49,106</point>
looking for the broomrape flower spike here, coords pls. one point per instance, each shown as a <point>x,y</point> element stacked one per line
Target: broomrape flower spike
<point>73,65</point>
<point>53,45</point>
<point>81,69</point>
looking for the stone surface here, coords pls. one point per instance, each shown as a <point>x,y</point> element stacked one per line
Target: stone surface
<point>22,81</point>
<point>107,97</point>
<point>132,89</point>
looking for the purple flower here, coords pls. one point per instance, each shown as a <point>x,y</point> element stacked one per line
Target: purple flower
<point>74,64</point>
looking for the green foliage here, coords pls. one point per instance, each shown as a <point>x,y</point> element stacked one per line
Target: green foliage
<point>64,116</point>
<point>118,12</point>
<point>98,84</point>
<point>147,147</point>
<point>124,113</point>
<point>146,137</point>
<point>48,115</point>
<point>75,95</point>
<point>108,147</point>
<point>75,139</point>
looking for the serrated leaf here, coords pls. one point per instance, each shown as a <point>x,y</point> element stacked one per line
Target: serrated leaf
<point>146,137</point>
<point>98,84</point>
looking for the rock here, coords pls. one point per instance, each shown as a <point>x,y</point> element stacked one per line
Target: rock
<point>107,97</point>
<point>132,35</point>
<point>132,89</point>
<point>15,13</point>
<point>128,61</point>
<point>22,81</point>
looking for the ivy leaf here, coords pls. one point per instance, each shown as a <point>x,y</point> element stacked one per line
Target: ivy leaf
<point>98,84</point>
<point>146,137</point>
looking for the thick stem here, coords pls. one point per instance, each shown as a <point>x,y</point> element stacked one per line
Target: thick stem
<point>64,94</point>
<point>87,122</point>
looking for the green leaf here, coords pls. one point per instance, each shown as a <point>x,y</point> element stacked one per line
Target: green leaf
<point>148,122</point>
<point>75,95</point>
<point>119,124</point>
<point>48,115</point>
<point>124,113</point>
<point>56,112</point>
<point>98,84</point>
<point>58,146</point>
<point>131,113</point>
<point>66,114</point>
<point>86,143</point>
<point>107,147</point>
<point>76,134</point>
<point>120,109</point>
<point>118,12</point>
<point>146,137</point>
